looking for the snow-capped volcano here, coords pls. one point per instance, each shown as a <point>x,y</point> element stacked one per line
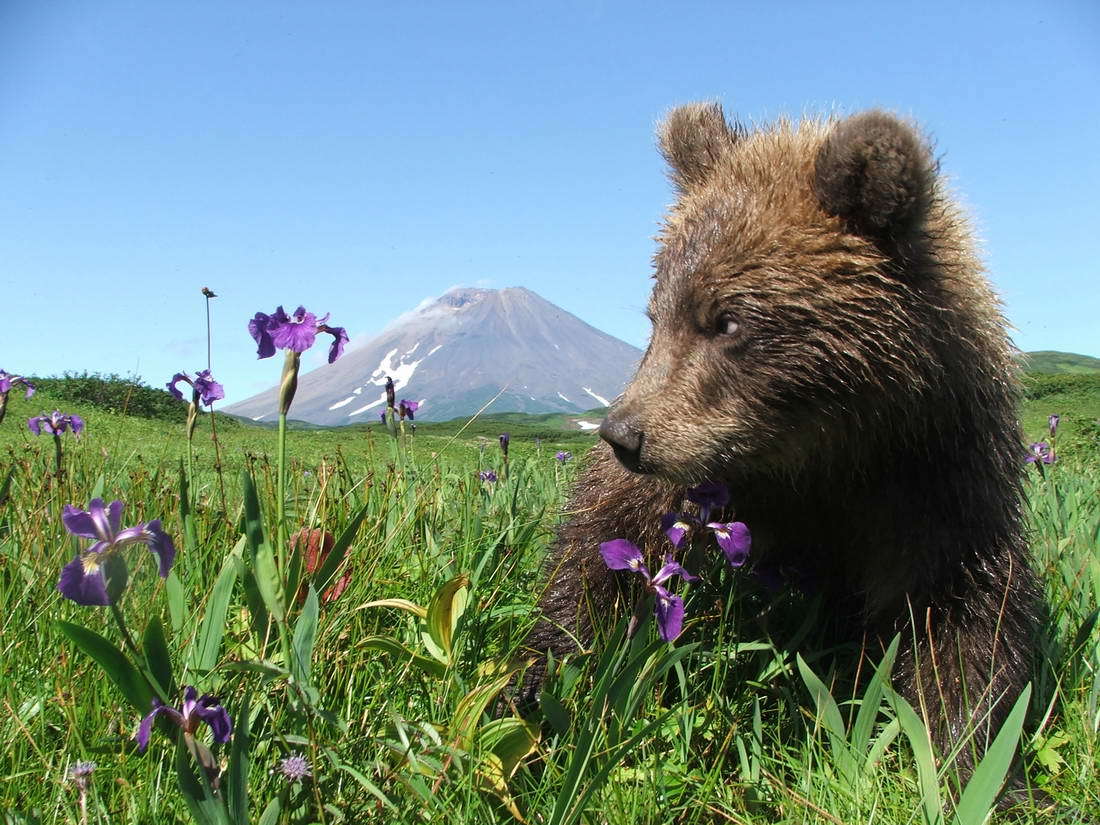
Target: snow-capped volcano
<point>456,353</point>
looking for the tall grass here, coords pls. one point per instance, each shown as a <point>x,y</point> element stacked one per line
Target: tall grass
<point>729,725</point>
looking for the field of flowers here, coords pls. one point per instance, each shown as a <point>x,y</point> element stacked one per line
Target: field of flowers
<point>316,626</point>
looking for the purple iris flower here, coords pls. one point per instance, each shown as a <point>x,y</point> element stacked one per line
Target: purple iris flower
<point>1052,422</point>
<point>97,575</point>
<point>204,386</point>
<point>504,439</point>
<point>710,495</point>
<point>563,456</point>
<point>55,423</point>
<point>390,394</point>
<point>382,415</point>
<point>487,475</point>
<point>7,381</point>
<point>1040,452</point>
<point>407,408</point>
<point>195,709</point>
<point>676,526</point>
<point>734,539</point>
<point>620,554</point>
<point>295,332</point>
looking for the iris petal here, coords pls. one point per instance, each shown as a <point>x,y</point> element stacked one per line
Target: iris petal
<point>79,522</point>
<point>216,716</point>
<point>669,609</point>
<point>620,554</point>
<point>734,539</point>
<point>87,588</point>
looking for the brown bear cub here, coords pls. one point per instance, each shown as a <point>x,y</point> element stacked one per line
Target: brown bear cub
<point>825,344</point>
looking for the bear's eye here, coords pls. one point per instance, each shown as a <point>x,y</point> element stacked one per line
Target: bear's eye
<point>726,324</point>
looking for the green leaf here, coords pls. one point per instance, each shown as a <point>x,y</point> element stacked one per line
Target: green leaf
<point>871,702</point>
<point>190,537</point>
<point>155,648</point>
<point>305,633</point>
<point>467,713</point>
<point>510,740</point>
<point>236,780</point>
<point>177,601</point>
<point>204,652</point>
<point>327,572</point>
<point>982,789</point>
<point>446,608</point>
<point>204,807</point>
<point>555,712</point>
<point>267,580</point>
<point>921,743</point>
<point>271,813</point>
<point>400,604</point>
<point>127,678</point>
<point>268,670</point>
<point>253,519</point>
<point>428,666</point>
<point>367,785</point>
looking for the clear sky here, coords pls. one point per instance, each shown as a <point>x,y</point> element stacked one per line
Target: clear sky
<point>358,157</point>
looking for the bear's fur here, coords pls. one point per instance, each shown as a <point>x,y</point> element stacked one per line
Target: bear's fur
<point>824,342</point>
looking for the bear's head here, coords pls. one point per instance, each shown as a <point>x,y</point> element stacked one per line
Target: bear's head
<point>801,289</point>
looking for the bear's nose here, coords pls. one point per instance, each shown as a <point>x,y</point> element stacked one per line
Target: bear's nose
<point>625,437</point>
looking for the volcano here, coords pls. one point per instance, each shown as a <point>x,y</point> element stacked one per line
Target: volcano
<point>457,353</point>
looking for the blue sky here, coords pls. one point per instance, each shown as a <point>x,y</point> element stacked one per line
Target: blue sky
<point>359,157</point>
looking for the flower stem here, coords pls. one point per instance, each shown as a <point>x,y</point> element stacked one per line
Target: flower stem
<point>57,454</point>
<point>280,496</point>
<point>218,461</point>
<point>287,388</point>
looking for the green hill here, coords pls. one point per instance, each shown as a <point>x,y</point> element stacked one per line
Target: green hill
<point>1050,361</point>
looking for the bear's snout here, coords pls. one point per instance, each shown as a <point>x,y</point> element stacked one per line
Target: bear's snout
<point>622,431</point>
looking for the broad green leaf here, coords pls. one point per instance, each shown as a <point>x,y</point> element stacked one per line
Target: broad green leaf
<point>204,807</point>
<point>204,652</point>
<point>919,740</point>
<point>305,633</point>
<point>555,713</point>
<point>235,783</point>
<point>155,649</point>
<point>428,666</point>
<point>467,714</point>
<point>177,602</point>
<point>490,777</point>
<point>510,739</point>
<point>872,701</point>
<point>400,604</point>
<point>446,608</point>
<point>253,519</point>
<point>982,789</point>
<point>366,784</point>
<point>190,537</point>
<point>127,678</point>
<point>267,580</point>
<point>269,670</point>
<point>271,813</point>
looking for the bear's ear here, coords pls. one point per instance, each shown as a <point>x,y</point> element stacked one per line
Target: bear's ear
<point>876,173</point>
<point>692,139</point>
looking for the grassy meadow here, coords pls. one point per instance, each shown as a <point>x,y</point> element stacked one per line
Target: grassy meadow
<point>388,689</point>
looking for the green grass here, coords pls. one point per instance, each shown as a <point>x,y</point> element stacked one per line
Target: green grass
<point>725,726</point>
